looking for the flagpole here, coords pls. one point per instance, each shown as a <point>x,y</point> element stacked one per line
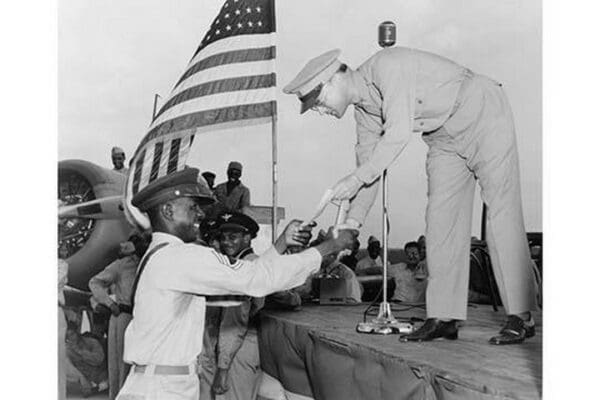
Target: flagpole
<point>156,96</point>
<point>274,172</point>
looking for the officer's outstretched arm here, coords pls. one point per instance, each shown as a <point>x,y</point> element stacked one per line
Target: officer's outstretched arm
<point>203,271</point>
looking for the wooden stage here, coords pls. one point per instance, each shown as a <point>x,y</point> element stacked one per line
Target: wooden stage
<point>484,370</point>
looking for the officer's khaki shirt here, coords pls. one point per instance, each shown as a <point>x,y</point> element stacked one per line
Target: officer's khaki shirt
<point>118,278</point>
<point>168,317</point>
<point>402,91</point>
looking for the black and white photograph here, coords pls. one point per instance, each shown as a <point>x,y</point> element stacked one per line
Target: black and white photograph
<point>297,200</point>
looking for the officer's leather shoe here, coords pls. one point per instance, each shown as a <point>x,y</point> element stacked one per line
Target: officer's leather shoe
<point>513,332</point>
<point>433,328</point>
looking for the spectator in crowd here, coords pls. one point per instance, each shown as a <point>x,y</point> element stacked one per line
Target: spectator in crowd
<point>118,160</point>
<point>410,277</point>
<point>372,263</point>
<point>209,235</point>
<point>350,259</point>
<point>287,299</point>
<point>63,271</point>
<point>111,288</point>
<point>209,177</point>
<point>230,360</point>
<point>233,195</point>
<point>86,355</point>
<point>333,267</point>
<point>422,247</point>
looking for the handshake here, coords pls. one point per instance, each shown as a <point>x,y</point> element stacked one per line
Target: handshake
<point>336,239</point>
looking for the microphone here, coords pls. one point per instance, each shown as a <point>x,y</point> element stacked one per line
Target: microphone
<point>387,34</point>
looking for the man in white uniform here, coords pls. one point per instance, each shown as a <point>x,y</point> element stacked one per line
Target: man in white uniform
<point>164,338</point>
<point>466,121</point>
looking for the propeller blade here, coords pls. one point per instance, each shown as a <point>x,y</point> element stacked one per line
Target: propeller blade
<point>110,207</point>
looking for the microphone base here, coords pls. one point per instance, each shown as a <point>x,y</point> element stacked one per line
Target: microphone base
<point>385,323</point>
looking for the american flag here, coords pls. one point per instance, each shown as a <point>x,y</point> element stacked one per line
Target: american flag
<point>229,82</point>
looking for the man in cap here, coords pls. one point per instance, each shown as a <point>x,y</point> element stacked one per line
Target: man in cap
<point>233,195</point>
<point>164,338</point>
<point>466,121</point>
<point>209,177</point>
<point>372,262</point>
<point>118,160</point>
<point>230,359</point>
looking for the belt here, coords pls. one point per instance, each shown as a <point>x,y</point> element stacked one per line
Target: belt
<point>466,79</point>
<point>165,369</point>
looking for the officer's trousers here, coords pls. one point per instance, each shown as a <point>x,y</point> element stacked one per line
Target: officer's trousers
<point>476,143</point>
<point>244,374</point>
<point>117,369</point>
<point>147,386</point>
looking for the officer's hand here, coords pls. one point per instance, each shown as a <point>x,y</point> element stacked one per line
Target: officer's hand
<point>297,234</point>
<point>346,188</point>
<point>221,383</point>
<point>114,309</point>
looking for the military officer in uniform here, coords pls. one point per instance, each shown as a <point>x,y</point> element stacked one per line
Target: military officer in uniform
<point>466,121</point>
<point>230,359</point>
<point>164,338</point>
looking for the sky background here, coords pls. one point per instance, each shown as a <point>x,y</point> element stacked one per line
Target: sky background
<point>114,55</point>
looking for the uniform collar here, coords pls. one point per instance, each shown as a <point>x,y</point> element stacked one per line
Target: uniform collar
<point>245,252</point>
<point>162,237</point>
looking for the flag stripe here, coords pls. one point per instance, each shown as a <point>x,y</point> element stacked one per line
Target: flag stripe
<point>137,176</point>
<point>229,57</point>
<point>225,72</point>
<point>235,43</point>
<point>219,100</point>
<point>210,117</point>
<point>174,155</point>
<point>220,86</point>
<point>229,83</point>
<point>158,149</point>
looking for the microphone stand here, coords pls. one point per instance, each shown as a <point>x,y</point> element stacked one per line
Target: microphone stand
<point>385,323</point>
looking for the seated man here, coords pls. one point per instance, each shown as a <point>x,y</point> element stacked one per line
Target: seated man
<point>350,259</point>
<point>230,360</point>
<point>331,267</point>
<point>410,277</point>
<point>372,264</point>
<point>86,356</point>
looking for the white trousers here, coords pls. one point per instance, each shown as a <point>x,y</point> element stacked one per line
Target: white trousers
<point>147,386</point>
<point>476,143</point>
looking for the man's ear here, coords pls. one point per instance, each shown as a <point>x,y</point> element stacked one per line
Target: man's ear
<point>166,210</point>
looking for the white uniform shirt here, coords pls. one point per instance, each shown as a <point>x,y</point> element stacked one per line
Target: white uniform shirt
<point>168,317</point>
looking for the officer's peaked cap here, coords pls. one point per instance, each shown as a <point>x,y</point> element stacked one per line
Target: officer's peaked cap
<point>308,83</point>
<point>184,183</point>
<point>235,221</point>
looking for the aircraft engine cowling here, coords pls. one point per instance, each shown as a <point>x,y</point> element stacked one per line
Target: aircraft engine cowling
<point>92,243</point>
